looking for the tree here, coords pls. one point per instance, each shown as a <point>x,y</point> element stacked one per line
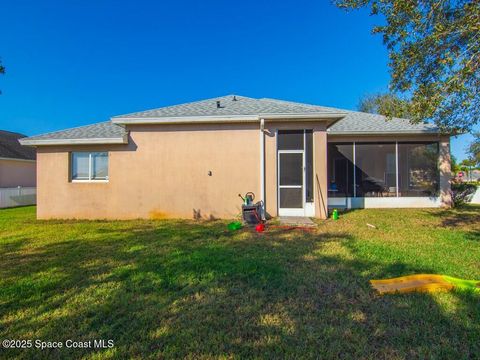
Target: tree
<point>467,165</point>
<point>474,150</point>
<point>455,167</point>
<point>384,104</point>
<point>434,50</point>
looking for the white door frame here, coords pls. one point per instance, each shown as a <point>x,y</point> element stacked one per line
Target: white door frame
<point>291,211</point>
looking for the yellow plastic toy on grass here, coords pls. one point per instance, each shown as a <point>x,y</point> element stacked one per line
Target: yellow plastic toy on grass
<point>423,283</point>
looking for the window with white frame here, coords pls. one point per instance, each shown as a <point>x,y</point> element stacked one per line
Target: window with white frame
<point>89,166</point>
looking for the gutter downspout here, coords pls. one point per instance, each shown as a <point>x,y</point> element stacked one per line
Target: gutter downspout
<point>262,167</point>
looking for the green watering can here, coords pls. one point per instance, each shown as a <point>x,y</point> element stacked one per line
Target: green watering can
<point>248,198</point>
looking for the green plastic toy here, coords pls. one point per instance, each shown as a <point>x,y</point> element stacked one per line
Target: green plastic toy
<point>471,285</point>
<point>236,225</point>
<point>335,214</point>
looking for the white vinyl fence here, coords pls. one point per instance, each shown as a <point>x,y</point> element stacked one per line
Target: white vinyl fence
<point>476,197</point>
<point>19,196</point>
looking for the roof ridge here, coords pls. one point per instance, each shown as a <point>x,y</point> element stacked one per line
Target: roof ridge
<point>185,104</point>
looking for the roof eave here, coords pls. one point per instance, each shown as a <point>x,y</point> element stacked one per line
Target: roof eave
<point>401,132</point>
<point>17,159</point>
<point>84,141</point>
<point>224,119</point>
<point>183,120</point>
<point>331,117</point>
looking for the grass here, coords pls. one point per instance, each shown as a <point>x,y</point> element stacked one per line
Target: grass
<point>184,289</point>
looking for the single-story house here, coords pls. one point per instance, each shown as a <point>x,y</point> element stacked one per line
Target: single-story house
<point>193,159</point>
<point>17,162</point>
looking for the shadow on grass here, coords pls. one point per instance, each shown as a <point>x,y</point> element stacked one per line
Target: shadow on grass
<point>180,289</point>
<point>465,218</point>
<point>464,215</point>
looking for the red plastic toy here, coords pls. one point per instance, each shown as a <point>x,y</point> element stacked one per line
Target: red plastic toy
<point>260,228</point>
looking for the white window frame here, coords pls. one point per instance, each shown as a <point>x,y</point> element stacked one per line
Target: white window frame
<point>90,167</point>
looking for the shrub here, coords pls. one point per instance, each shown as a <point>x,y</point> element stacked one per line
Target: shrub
<point>462,192</point>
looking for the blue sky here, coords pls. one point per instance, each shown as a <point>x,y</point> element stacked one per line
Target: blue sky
<point>71,63</point>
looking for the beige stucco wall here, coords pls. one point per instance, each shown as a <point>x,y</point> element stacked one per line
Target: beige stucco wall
<point>163,172</point>
<point>15,173</point>
<point>444,161</point>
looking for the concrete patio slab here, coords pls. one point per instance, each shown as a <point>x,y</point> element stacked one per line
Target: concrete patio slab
<point>296,220</point>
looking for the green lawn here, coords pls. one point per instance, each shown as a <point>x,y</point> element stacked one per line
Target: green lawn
<point>175,289</point>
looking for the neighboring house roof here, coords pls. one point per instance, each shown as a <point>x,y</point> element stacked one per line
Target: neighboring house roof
<point>10,147</point>
<point>101,133</point>
<point>233,108</point>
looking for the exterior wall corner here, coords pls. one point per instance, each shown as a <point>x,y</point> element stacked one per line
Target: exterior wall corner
<point>320,174</point>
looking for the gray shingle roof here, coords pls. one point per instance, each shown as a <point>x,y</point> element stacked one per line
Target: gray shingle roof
<point>105,130</point>
<point>231,105</point>
<point>11,148</point>
<point>351,122</point>
<point>364,123</point>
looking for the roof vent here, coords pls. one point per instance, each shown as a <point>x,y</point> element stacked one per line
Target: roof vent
<point>234,98</point>
<point>218,104</point>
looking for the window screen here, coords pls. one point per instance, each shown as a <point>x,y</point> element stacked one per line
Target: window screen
<point>340,169</point>
<point>375,169</point>
<point>291,198</point>
<point>291,169</point>
<point>290,140</point>
<point>418,173</point>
